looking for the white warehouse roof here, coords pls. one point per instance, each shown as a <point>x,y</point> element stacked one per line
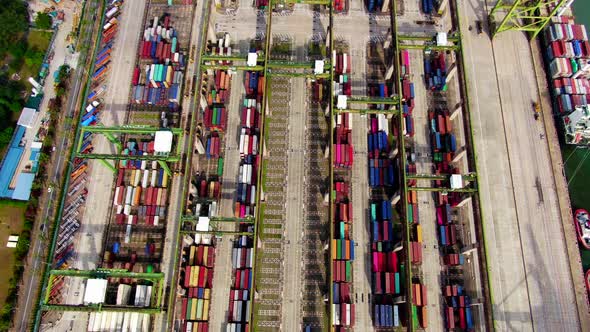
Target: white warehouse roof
<point>27,117</point>
<point>163,142</point>
<point>96,290</point>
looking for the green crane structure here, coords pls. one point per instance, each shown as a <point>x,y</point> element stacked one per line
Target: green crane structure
<point>156,298</point>
<point>523,15</point>
<point>110,132</point>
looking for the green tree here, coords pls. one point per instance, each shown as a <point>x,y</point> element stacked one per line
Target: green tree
<point>13,23</point>
<point>34,57</point>
<point>6,135</point>
<point>43,21</point>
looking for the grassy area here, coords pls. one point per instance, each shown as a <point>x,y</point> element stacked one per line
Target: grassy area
<point>38,40</point>
<point>12,216</point>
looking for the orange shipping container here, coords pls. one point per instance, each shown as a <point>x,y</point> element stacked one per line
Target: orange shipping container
<point>347,251</point>
<point>418,298</point>
<point>424,321</point>
<point>227,82</point>
<point>448,123</point>
<point>334,254</point>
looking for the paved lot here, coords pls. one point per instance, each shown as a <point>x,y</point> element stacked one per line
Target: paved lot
<point>361,266</point>
<point>531,282</point>
<point>89,236</point>
<point>431,264</point>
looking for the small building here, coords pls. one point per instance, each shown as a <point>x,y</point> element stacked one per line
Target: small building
<point>27,117</point>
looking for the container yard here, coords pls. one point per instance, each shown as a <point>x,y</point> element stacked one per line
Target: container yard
<point>312,166</point>
<point>131,214</point>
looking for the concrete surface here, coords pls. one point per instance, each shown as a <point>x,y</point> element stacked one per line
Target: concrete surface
<point>531,282</point>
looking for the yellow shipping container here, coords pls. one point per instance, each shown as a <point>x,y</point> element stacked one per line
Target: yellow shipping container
<point>205,253</point>
<point>207,294</point>
<point>191,257</point>
<point>206,310</point>
<point>194,309</point>
<point>165,180</point>
<point>419,233</point>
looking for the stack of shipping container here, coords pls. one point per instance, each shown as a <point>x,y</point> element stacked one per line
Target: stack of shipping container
<point>388,270</point>
<point>407,94</point>
<point>377,6</point>
<point>196,278</point>
<point>140,194</point>
<point>342,246</point>
<point>428,6</point>
<point>457,310</point>
<point>419,304</point>
<point>435,71</point>
<point>240,306</point>
<point>381,166</point>
<point>248,145</point>
<point>159,77</point>
<point>568,57</point>
<point>342,257</point>
<point>342,68</point>
<point>343,148</point>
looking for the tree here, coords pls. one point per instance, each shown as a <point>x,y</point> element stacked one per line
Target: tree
<point>43,21</point>
<point>14,21</point>
<point>34,57</point>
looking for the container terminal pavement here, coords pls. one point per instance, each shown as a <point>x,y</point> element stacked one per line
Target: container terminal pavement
<point>309,166</point>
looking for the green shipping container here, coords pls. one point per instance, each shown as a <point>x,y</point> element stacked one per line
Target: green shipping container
<point>410,214</point>
<point>374,211</point>
<point>574,65</point>
<point>342,230</point>
<point>214,117</point>
<point>379,246</point>
<point>397,290</point>
<point>199,309</point>
<point>220,166</point>
<point>415,316</point>
<point>348,271</point>
<point>339,249</point>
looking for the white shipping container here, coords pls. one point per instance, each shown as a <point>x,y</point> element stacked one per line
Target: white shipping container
<point>126,321</point>
<point>112,12</point>
<point>128,234</point>
<point>114,318</point>
<point>117,190</point>
<point>104,320</point>
<point>144,180</point>
<point>253,195</point>
<point>127,209</point>
<point>128,195</point>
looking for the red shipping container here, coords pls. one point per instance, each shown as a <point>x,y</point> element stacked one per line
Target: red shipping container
<point>450,318</point>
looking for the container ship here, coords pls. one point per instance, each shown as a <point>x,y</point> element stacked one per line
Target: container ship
<point>582,221</point>
<point>567,56</point>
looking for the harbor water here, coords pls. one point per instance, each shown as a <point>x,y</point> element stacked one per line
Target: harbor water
<point>579,191</point>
